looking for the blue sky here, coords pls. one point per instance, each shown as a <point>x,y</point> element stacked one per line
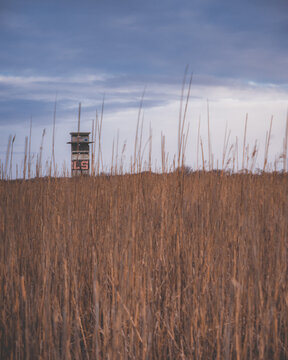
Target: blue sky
<point>237,51</point>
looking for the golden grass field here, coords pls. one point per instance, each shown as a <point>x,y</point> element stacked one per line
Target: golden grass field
<point>147,266</point>
<point>143,265</point>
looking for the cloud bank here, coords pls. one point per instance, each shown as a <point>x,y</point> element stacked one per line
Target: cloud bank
<point>237,51</point>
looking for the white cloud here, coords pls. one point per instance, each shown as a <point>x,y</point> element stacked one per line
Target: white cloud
<point>228,102</point>
<point>28,80</point>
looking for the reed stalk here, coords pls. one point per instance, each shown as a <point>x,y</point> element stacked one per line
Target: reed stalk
<point>7,157</point>
<point>244,142</point>
<point>267,143</point>
<point>29,151</point>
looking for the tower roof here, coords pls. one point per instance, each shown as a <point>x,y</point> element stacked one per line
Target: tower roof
<point>81,133</point>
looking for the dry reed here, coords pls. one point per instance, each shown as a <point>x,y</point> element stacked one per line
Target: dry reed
<point>178,265</point>
<point>144,266</point>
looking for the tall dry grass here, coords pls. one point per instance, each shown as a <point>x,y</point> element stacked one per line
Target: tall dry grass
<point>178,265</point>
<point>145,266</point>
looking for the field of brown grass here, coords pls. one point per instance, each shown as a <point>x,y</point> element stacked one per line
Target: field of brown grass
<point>171,266</point>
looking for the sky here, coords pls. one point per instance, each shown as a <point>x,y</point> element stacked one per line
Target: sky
<point>116,51</point>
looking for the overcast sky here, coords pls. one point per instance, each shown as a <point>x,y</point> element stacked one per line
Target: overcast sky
<point>83,51</point>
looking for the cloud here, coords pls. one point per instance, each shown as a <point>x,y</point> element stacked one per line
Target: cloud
<point>237,51</point>
<point>121,91</point>
<point>229,101</point>
<point>29,80</point>
<point>223,39</point>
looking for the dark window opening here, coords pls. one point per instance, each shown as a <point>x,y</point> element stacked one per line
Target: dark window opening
<point>80,147</point>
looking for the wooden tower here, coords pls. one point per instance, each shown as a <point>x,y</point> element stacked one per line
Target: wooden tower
<point>80,160</point>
